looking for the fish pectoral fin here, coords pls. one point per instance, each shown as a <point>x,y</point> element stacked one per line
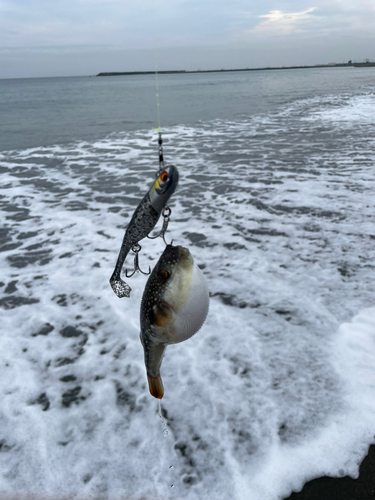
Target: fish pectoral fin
<point>163,314</point>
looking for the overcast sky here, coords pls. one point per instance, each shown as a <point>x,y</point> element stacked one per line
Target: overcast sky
<point>85,37</point>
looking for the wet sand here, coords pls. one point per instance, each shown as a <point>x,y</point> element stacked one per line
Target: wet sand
<point>344,488</point>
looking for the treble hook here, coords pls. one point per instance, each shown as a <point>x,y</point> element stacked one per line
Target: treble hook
<point>136,249</point>
<point>166,213</point>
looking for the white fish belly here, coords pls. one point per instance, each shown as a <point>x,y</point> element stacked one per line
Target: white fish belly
<point>193,312</point>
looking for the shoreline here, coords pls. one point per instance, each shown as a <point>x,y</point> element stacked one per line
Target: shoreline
<point>342,488</point>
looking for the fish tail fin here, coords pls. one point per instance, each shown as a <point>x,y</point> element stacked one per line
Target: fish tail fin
<point>155,386</point>
<point>120,288</point>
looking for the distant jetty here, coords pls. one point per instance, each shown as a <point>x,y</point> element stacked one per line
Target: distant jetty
<point>143,73</point>
<point>367,64</point>
<point>182,71</point>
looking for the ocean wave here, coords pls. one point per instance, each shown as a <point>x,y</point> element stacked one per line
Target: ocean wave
<point>278,212</point>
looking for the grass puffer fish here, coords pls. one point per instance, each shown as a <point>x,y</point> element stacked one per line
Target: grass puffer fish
<point>143,222</point>
<point>174,306</point>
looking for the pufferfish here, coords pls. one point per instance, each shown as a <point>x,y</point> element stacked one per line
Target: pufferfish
<point>174,306</point>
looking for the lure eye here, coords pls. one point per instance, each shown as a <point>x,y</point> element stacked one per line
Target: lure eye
<point>164,176</point>
<point>163,274</point>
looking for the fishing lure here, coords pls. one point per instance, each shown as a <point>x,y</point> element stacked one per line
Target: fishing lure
<point>143,222</point>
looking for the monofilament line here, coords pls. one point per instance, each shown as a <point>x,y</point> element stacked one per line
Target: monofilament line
<point>157,89</point>
<point>156,71</point>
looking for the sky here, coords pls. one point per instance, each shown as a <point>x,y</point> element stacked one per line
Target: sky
<point>41,38</point>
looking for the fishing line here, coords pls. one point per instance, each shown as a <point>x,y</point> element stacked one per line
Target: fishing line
<point>167,210</point>
<point>160,140</point>
<point>157,88</point>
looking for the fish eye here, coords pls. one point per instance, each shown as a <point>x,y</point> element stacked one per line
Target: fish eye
<point>164,176</point>
<point>163,274</point>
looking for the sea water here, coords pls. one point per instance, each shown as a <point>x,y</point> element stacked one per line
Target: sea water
<point>276,205</point>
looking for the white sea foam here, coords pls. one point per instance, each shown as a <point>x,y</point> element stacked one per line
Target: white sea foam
<point>348,109</point>
<point>270,393</point>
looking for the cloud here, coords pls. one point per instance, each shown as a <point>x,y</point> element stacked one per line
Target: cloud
<point>338,18</point>
<point>278,22</point>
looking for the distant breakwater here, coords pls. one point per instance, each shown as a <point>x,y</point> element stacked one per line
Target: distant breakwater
<point>171,72</point>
